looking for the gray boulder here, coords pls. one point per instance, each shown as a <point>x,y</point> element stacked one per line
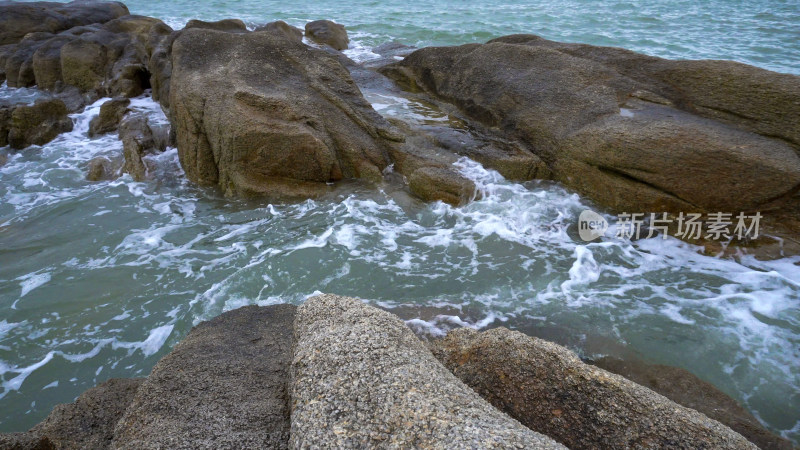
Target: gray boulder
<point>361,379</point>
<point>111,113</point>
<point>38,124</point>
<point>223,386</point>
<point>262,114</point>
<point>328,33</point>
<point>282,27</point>
<point>100,169</point>
<point>633,132</point>
<point>549,389</point>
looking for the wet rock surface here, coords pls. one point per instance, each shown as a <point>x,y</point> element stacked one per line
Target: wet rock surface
<point>37,124</point>
<point>108,120</point>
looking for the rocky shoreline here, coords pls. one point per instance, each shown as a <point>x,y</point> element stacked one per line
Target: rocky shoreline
<point>264,113</point>
<point>336,372</point>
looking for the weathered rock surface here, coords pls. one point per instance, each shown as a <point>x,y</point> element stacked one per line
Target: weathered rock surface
<point>686,389</point>
<point>87,423</point>
<point>223,386</point>
<point>360,378</point>
<point>111,113</point>
<point>228,25</point>
<point>37,124</point>
<point>141,138</point>
<point>631,131</point>
<point>108,57</point>
<point>282,27</point>
<point>550,390</point>
<point>328,33</point>
<point>20,18</point>
<point>262,114</point>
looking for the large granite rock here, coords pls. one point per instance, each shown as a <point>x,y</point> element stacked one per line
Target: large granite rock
<point>328,33</point>
<point>37,124</point>
<point>87,423</point>
<point>20,18</point>
<point>228,25</point>
<point>262,114</point>
<point>684,388</point>
<point>549,389</point>
<point>361,379</point>
<point>280,26</point>
<point>633,132</point>
<point>223,386</point>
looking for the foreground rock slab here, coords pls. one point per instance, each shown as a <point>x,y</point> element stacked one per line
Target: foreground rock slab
<point>549,389</point>
<point>223,386</point>
<point>262,114</point>
<point>361,378</point>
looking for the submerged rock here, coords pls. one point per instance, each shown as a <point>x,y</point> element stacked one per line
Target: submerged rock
<point>262,114</point>
<point>108,120</point>
<point>223,386</point>
<point>100,169</point>
<point>360,378</point>
<point>633,132</point>
<point>38,124</point>
<point>550,390</point>
<point>328,33</point>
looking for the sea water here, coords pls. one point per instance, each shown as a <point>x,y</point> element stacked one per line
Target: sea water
<point>100,280</point>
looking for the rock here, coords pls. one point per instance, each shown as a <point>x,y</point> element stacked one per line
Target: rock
<point>684,388</point>
<point>20,18</point>
<point>223,386</point>
<point>3,159</point>
<point>90,421</point>
<point>38,124</point>
<point>360,379</point>
<point>5,123</point>
<point>110,58</point>
<point>328,33</point>
<point>437,183</point>
<point>262,114</point>
<point>100,169</point>
<point>228,25</point>
<point>282,27</point>
<point>548,389</point>
<point>633,132</point>
<point>139,139</point>
<point>87,423</point>
<point>111,113</point>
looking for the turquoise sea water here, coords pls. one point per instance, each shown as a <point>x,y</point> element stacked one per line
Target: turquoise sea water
<point>100,280</point>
